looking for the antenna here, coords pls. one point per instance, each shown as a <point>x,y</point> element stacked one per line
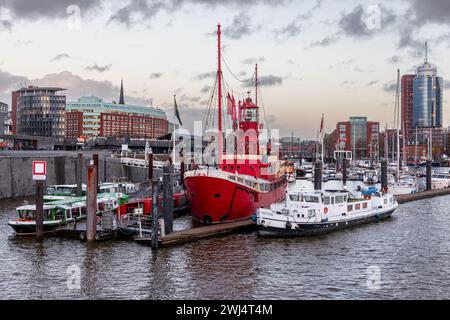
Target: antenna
<point>426,51</point>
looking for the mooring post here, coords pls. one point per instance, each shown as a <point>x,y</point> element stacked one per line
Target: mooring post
<point>428,178</point>
<point>384,182</point>
<point>150,166</point>
<point>79,172</point>
<point>95,157</point>
<point>91,221</point>
<point>105,177</point>
<point>168,198</point>
<point>344,172</point>
<point>154,237</point>
<point>318,175</point>
<point>182,171</point>
<point>39,210</point>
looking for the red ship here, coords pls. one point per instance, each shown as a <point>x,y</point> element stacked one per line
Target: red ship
<point>243,181</point>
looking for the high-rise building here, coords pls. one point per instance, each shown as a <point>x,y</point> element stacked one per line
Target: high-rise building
<point>422,105</point>
<point>428,93</point>
<point>359,136</point>
<point>407,84</point>
<point>39,111</point>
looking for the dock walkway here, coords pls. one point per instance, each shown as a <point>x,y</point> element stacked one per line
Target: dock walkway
<point>422,195</point>
<point>194,234</point>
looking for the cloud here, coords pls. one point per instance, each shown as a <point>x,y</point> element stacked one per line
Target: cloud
<point>76,86</point>
<point>156,75</point>
<point>60,56</point>
<point>363,22</point>
<point>347,84</point>
<point>395,59</point>
<point>390,87</point>
<point>372,83</point>
<point>5,25</point>
<point>325,42</point>
<point>98,68</point>
<point>252,61</point>
<point>45,9</point>
<point>206,89</point>
<point>266,81</point>
<point>241,26</point>
<point>431,11</point>
<point>290,30</point>
<point>206,75</point>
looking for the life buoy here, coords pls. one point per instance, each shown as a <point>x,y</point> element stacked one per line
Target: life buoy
<point>325,210</point>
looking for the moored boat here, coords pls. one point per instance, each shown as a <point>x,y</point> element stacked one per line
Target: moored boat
<point>312,213</point>
<point>245,179</point>
<point>60,213</point>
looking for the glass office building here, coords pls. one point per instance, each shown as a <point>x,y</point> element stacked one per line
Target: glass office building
<point>40,111</point>
<point>428,97</point>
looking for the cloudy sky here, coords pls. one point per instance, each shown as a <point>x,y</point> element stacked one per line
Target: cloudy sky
<point>333,57</point>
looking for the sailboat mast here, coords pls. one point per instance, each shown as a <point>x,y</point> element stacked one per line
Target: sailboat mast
<point>219,80</point>
<point>397,99</point>
<point>256,84</point>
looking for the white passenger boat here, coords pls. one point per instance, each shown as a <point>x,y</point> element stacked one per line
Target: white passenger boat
<point>312,213</point>
<point>440,181</point>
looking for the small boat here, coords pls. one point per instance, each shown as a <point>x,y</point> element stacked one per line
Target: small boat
<point>440,181</point>
<point>312,213</point>
<point>61,213</point>
<point>406,185</point>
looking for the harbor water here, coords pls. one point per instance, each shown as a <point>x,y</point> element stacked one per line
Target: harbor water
<point>406,257</point>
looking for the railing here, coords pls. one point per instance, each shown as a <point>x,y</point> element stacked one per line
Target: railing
<point>142,163</point>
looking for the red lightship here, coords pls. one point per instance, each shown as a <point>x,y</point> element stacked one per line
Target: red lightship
<point>249,178</point>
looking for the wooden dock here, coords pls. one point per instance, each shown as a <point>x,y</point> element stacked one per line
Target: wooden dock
<point>194,234</point>
<point>422,195</point>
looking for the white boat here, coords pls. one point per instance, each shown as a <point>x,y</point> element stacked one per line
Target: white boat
<point>406,185</point>
<point>440,181</point>
<point>312,213</point>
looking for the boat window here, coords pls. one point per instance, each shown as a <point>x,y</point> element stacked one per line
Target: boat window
<point>26,214</point>
<point>332,200</point>
<point>83,211</point>
<point>295,197</point>
<point>75,212</point>
<point>358,206</point>
<point>339,199</point>
<point>385,201</point>
<point>326,200</point>
<point>313,199</point>
<point>59,214</point>
<point>311,213</point>
<point>349,207</point>
<point>364,205</point>
<point>232,178</point>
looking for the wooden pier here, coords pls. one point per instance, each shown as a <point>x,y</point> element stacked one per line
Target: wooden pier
<point>422,195</point>
<point>204,232</point>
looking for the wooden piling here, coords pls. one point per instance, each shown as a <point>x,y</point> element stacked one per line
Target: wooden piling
<point>91,221</point>
<point>384,182</point>
<point>150,166</point>
<point>428,177</point>
<point>95,157</point>
<point>155,214</point>
<point>79,174</point>
<point>318,175</point>
<point>168,198</point>
<point>344,172</point>
<point>39,210</point>
<point>182,171</point>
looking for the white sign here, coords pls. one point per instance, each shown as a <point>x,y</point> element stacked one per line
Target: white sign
<point>124,147</point>
<point>39,170</point>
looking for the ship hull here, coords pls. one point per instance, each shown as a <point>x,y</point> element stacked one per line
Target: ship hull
<point>313,229</point>
<point>214,200</point>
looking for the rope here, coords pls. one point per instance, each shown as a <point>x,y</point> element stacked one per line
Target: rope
<point>226,65</point>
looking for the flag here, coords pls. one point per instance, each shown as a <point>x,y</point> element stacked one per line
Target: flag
<point>321,126</point>
<point>231,107</point>
<point>177,114</point>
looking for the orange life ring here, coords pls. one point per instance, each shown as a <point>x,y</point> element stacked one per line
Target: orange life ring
<point>325,210</point>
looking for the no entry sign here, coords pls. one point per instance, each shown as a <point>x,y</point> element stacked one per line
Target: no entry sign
<point>39,170</point>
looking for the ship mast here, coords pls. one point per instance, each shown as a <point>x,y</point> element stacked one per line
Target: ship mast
<point>256,84</point>
<point>219,80</point>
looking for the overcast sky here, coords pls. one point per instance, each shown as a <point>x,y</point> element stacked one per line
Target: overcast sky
<point>333,57</point>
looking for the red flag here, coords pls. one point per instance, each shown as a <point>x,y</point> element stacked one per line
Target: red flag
<point>229,105</point>
<point>233,110</point>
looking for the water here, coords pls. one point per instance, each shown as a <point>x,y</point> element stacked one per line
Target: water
<point>411,253</point>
